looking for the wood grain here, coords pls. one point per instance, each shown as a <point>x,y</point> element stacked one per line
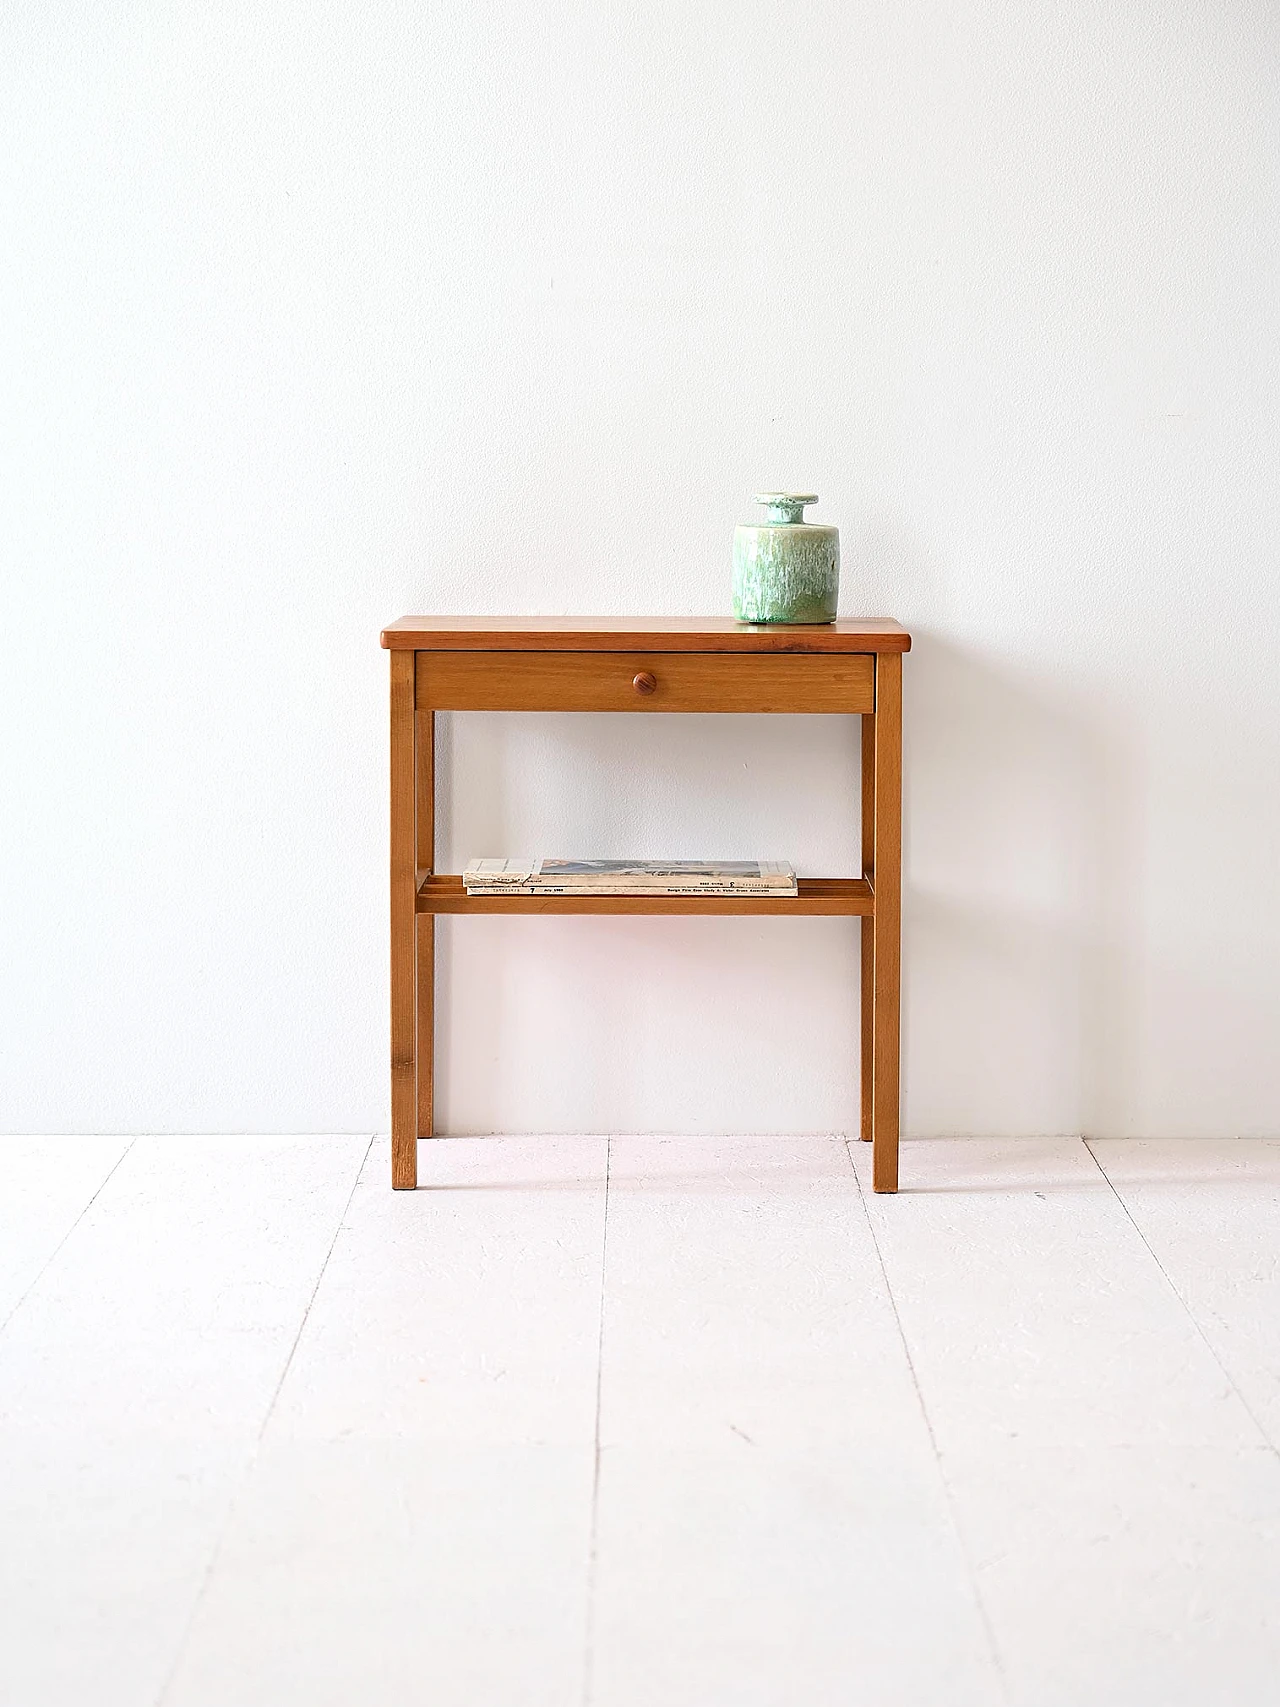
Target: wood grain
<point>425,724</point>
<point>832,897</point>
<point>887,882</point>
<point>640,633</point>
<point>404,1094</point>
<point>866,1019</point>
<point>663,664</point>
<point>681,681</point>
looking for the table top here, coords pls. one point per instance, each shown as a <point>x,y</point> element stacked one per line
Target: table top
<point>640,633</point>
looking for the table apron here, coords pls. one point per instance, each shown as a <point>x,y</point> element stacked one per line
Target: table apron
<point>645,681</point>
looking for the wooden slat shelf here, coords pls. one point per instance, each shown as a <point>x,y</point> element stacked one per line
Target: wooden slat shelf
<point>819,896</point>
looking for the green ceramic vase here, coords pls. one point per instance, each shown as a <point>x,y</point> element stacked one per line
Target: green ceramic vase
<point>785,569</point>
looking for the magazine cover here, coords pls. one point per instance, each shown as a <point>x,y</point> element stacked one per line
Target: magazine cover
<point>599,873</point>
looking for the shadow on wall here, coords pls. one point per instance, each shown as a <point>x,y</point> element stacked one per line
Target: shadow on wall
<point>1021,913</point>
<point>676,1025</point>
<point>1023,965</point>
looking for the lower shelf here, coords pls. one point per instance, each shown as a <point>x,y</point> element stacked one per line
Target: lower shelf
<point>827,896</point>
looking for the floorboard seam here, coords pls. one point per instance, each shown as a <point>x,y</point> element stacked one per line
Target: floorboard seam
<point>1172,1285</point>
<point>589,1655</point>
<point>974,1585</point>
<point>216,1551</point>
<point>53,1254</point>
<point>297,1338</point>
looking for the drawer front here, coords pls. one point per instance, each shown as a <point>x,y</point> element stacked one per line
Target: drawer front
<point>645,681</point>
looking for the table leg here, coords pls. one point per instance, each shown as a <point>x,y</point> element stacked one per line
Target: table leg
<point>887,741</point>
<point>404,978</point>
<point>866,1018</point>
<point>426,856</point>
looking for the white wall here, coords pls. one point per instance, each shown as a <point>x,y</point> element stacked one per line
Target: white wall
<point>312,313</point>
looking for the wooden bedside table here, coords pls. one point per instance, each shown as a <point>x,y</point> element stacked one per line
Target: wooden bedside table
<point>646,665</point>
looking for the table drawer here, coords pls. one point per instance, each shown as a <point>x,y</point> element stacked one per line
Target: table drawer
<point>644,681</point>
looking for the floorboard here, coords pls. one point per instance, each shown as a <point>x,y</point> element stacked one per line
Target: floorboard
<point>1116,1498</point>
<point>41,1203</point>
<point>389,1572</point>
<point>588,1423</point>
<point>420,1517</point>
<point>1209,1210</point>
<point>465,1312</point>
<point>769,1503</point>
<point>134,1379</point>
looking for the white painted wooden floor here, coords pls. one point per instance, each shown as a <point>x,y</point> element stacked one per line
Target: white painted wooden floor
<point>680,1423</point>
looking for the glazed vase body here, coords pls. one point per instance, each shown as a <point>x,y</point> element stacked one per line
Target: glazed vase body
<point>785,569</point>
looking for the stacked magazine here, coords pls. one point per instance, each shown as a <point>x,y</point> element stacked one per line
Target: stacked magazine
<point>629,877</point>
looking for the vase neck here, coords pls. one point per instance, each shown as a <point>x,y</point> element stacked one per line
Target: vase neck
<point>786,508</point>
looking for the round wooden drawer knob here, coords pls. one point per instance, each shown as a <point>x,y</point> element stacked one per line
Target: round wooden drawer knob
<point>644,682</point>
